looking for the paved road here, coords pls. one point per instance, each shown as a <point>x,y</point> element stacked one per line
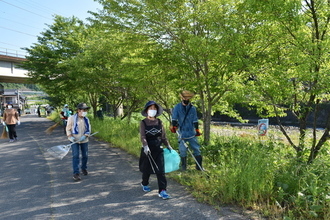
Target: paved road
<point>34,185</point>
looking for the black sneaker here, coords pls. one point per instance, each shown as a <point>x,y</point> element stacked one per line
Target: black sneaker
<point>76,177</point>
<point>84,172</point>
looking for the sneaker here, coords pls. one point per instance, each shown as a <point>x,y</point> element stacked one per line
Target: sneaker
<point>164,195</point>
<point>11,140</point>
<point>76,177</point>
<point>16,139</point>
<point>84,172</point>
<point>145,188</point>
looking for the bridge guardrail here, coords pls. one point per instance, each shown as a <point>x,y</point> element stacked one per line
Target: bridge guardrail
<point>14,53</point>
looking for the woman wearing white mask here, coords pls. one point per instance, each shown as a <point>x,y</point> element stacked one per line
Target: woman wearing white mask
<point>151,161</point>
<point>78,130</point>
<point>10,119</point>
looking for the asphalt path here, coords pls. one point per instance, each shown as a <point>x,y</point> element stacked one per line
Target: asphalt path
<point>34,185</point>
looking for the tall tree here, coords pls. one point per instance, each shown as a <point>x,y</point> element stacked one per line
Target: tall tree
<point>62,40</point>
<point>200,39</point>
<point>292,71</point>
<point>111,66</point>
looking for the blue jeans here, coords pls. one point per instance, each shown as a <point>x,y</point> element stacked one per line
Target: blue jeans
<point>193,145</point>
<point>75,156</point>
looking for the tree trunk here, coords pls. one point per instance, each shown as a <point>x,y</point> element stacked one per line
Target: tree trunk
<point>207,125</point>
<point>93,99</point>
<point>315,150</point>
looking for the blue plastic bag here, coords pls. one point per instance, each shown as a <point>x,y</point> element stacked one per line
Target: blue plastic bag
<point>171,160</point>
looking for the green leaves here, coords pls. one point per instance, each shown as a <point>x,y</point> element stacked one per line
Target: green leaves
<point>272,55</point>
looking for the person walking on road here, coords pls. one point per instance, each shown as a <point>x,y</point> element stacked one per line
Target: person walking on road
<point>38,111</point>
<point>10,119</point>
<point>78,130</point>
<point>152,134</point>
<point>65,114</point>
<point>185,121</point>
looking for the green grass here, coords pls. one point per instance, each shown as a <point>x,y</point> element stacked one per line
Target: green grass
<point>260,175</point>
<point>119,133</point>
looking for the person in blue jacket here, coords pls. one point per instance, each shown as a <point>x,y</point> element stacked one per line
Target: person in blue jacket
<point>185,121</point>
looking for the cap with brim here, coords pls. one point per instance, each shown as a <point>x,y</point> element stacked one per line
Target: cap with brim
<point>187,94</point>
<point>82,106</point>
<point>159,108</point>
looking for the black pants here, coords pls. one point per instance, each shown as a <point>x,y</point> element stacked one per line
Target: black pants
<point>162,182</point>
<point>12,131</point>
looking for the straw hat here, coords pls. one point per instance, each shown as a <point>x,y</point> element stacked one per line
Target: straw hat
<point>187,94</point>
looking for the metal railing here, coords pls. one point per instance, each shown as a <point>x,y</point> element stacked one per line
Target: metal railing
<point>12,53</point>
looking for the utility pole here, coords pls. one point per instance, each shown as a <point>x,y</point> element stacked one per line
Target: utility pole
<point>18,98</point>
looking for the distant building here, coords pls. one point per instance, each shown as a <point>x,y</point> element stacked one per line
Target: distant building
<point>13,96</point>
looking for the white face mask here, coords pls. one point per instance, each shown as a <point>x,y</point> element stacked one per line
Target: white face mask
<point>83,114</point>
<point>10,107</point>
<point>152,113</point>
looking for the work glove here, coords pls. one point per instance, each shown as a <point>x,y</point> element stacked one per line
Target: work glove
<point>4,123</point>
<point>18,122</point>
<point>169,148</point>
<point>173,129</point>
<point>82,138</point>
<point>198,133</point>
<point>146,150</point>
<point>72,139</point>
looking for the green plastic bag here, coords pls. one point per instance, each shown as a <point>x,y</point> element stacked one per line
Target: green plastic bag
<point>171,160</point>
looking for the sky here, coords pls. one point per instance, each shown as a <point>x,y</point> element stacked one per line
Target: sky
<point>21,21</point>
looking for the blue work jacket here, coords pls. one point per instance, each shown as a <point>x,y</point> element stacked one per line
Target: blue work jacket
<point>186,124</point>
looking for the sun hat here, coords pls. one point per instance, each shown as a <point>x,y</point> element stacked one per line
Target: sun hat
<point>187,94</point>
<point>82,106</point>
<point>149,103</point>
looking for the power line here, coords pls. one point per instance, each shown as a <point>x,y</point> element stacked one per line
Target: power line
<point>10,45</point>
<point>13,12</point>
<point>38,6</point>
<point>17,31</point>
<point>19,23</point>
<point>25,9</point>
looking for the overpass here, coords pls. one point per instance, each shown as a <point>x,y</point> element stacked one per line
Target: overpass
<point>10,72</point>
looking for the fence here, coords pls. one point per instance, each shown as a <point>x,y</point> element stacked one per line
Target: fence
<point>12,53</point>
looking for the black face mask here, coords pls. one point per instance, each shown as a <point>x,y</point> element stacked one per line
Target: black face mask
<point>186,102</point>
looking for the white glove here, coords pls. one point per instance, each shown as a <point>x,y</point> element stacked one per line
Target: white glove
<point>18,122</point>
<point>146,149</point>
<point>4,123</point>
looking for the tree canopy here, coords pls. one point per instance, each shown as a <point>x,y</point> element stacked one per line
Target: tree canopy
<point>270,55</point>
